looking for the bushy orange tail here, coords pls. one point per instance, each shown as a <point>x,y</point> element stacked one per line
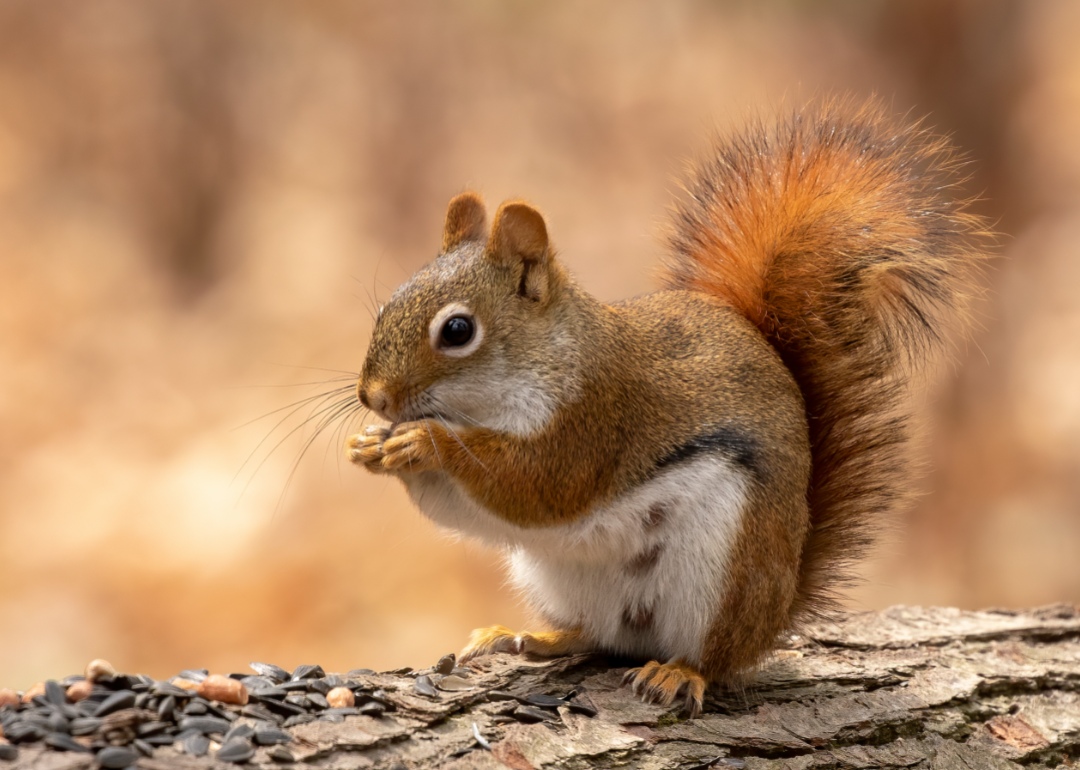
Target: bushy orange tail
<point>836,234</point>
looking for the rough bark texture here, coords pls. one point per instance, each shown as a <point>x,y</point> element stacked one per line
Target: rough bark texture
<point>905,688</point>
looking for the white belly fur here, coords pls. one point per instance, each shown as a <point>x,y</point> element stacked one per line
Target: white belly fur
<point>579,574</point>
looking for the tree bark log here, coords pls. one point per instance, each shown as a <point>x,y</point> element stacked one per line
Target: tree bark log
<point>905,688</point>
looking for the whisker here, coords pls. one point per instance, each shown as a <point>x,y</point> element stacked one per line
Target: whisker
<point>342,408</point>
<point>344,402</point>
<point>294,407</point>
<point>348,377</point>
<point>298,404</point>
<point>461,443</point>
<point>442,406</point>
<point>344,372</point>
<point>419,407</point>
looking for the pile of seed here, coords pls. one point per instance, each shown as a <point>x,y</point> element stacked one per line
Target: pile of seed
<point>119,717</point>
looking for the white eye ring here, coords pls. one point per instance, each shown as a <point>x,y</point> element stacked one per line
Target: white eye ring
<point>444,315</point>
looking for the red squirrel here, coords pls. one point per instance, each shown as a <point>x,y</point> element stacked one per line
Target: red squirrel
<point>681,477</point>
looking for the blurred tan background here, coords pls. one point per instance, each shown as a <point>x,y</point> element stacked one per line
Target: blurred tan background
<point>200,199</point>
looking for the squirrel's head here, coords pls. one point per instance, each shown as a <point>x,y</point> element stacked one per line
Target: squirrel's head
<point>469,338</point>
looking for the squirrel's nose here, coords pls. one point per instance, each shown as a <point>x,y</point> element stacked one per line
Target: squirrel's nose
<point>374,398</point>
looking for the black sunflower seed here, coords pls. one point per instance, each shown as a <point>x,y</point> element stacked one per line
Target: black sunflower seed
<point>204,724</point>
<point>545,701</point>
<point>116,757</point>
<point>55,693</point>
<point>270,671</point>
<point>58,723</point>
<point>271,736</point>
<point>195,745</point>
<point>424,686</point>
<point>147,729</point>
<point>581,708</point>
<point>124,699</point>
<point>299,719</point>
<point>24,732</point>
<point>307,672</point>
<point>64,742</point>
<point>169,689</point>
<point>85,725</point>
<point>8,752</point>
<point>531,714</point>
<point>238,750</point>
<point>281,754</point>
<point>166,708</point>
<point>194,674</point>
<point>238,731</point>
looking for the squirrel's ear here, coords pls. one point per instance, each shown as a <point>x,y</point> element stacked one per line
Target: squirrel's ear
<point>465,219</point>
<point>519,237</point>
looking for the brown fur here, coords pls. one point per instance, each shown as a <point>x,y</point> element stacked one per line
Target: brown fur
<point>834,233</point>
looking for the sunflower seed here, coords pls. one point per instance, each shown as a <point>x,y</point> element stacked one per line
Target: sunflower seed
<point>308,672</point>
<point>196,745</point>
<point>581,708</point>
<point>124,699</point>
<point>58,723</point>
<point>424,686</point>
<point>545,701</point>
<point>453,683</point>
<point>299,719</point>
<point>85,725</point>
<point>8,752</point>
<point>194,674</point>
<point>197,707</point>
<point>24,732</point>
<point>271,736</point>
<point>238,731</point>
<point>152,728</point>
<point>116,757</point>
<point>204,724</point>
<point>64,742</point>
<point>281,754</point>
<point>270,671</point>
<point>531,715</point>
<point>166,708</point>
<point>55,693</point>
<point>239,750</point>
<point>168,689</point>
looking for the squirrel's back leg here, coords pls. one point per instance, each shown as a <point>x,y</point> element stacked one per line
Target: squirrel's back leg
<point>548,644</point>
<point>662,683</point>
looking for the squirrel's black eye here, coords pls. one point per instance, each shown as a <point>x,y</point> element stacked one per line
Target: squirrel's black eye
<point>457,331</point>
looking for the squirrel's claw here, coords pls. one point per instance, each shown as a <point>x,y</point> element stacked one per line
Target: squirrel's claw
<point>366,448</point>
<point>662,683</point>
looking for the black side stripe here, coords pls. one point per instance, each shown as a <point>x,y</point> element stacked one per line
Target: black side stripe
<point>731,442</point>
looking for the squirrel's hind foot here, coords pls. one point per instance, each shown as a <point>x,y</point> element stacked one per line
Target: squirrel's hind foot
<point>548,644</point>
<point>662,683</point>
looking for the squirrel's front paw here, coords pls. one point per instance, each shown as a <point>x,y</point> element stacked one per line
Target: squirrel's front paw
<point>411,447</point>
<point>366,448</point>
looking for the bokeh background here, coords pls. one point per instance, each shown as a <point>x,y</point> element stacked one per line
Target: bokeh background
<point>200,202</point>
